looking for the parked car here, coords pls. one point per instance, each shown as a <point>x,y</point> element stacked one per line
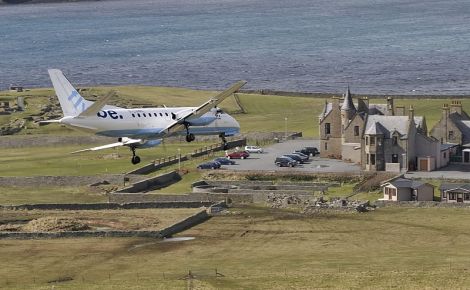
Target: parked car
<point>238,155</point>
<point>285,161</point>
<point>209,165</point>
<point>224,161</point>
<point>306,157</point>
<point>253,149</point>
<point>309,151</point>
<point>296,158</point>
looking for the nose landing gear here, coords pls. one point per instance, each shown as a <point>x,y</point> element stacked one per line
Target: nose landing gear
<point>224,141</point>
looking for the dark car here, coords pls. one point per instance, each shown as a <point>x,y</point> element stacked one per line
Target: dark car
<point>238,155</point>
<point>209,165</point>
<point>296,158</point>
<point>224,161</point>
<point>285,161</point>
<point>306,157</point>
<point>309,151</point>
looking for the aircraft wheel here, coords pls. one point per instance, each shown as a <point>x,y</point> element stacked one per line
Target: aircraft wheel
<point>135,160</point>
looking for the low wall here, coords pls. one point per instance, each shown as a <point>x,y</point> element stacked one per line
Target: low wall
<point>32,181</point>
<point>164,162</point>
<point>180,226</point>
<point>386,203</point>
<point>153,183</point>
<point>108,206</point>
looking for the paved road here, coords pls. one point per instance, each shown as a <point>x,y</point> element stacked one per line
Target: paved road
<point>265,161</point>
<point>452,171</point>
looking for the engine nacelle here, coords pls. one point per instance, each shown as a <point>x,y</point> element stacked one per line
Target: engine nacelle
<point>201,121</point>
<point>150,143</point>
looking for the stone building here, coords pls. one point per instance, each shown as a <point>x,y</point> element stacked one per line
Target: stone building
<point>380,137</point>
<point>454,128</point>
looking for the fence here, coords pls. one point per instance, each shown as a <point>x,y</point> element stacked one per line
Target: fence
<point>170,160</point>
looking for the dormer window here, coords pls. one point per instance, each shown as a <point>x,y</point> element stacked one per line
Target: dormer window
<point>395,140</point>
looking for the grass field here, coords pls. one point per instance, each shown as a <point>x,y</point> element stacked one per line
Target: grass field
<point>259,248</point>
<point>263,112</point>
<point>57,160</point>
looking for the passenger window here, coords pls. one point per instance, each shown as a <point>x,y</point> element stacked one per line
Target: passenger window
<point>138,115</point>
<point>133,116</point>
<point>144,115</point>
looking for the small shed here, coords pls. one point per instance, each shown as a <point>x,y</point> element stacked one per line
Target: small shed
<point>403,189</point>
<point>455,192</point>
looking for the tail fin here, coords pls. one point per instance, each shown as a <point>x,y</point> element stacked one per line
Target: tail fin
<point>71,101</point>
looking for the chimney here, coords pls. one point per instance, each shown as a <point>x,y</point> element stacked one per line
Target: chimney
<point>411,113</point>
<point>456,107</point>
<point>363,105</point>
<point>445,111</point>
<point>390,111</point>
<point>400,111</point>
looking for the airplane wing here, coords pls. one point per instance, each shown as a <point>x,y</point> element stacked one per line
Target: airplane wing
<point>178,125</point>
<point>97,105</point>
<point>124,142</point>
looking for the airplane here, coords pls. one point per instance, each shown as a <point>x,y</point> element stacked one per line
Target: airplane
<point>141,127</point>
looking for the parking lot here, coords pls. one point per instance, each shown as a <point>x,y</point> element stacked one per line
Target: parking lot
<point>265,161</point>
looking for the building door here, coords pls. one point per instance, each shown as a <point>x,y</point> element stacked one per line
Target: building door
<point>466,156</point>
<point>459,197</point>
<point>423,165</point>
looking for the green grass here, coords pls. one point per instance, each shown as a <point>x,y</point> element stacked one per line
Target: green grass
<point>259,248</point>
<point>57,160</point>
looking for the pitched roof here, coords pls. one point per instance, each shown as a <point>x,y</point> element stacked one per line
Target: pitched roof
<point>388,124</point>
<point>448,186</point>
<point>375,129</point>
<point>407,183</point>
<point>348,104</point>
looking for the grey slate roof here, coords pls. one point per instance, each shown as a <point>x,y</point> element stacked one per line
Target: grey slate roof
<point>406,183</point>
<point>388,124</point>
<point>375,129</point>
<point>447,186</point>
<point>348,104</point>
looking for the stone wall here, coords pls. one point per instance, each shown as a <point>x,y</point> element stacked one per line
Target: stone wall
<point>32,181</point>
<point>111,205</point>
<point>180,226</point>
<point>152,183</point>
<point>424,204</point>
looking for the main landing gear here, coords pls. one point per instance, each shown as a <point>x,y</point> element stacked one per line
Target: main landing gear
<point>189,136</point>
<point>135,159</point>
<point>224,141</point>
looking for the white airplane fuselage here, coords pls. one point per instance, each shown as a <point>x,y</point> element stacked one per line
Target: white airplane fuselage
<point>147,123</point>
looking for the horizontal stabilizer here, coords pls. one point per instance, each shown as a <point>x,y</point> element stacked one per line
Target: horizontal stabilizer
<point>97,105</point>
<point>49,121</point>
<point>124,142</point>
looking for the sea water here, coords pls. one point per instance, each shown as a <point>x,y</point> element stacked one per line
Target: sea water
<point>374,46</point>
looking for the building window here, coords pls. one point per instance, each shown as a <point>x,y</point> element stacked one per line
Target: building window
<point>451,195</point>
<point>356,130</point>
<point>394,191</point>
<point>445,155</point>
<point>394,140</point>
<point>372,159</point>
<point>326,145</point>
<point>327,128</point>
<point>367,140</point>
<point>467,196</point>
<point>367,158</point>
<point>444,194</point>
<point>372,140</point>
<point>394,158</point>
<point>451,135</point>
